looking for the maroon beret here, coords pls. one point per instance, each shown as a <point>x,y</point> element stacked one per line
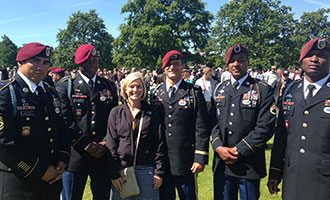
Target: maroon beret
<point>171,55</point>
<point>31,50</point>
<point>317,43</point>
<point>52,68</point>
<point>58,70</point>
<point>236,49</point>
<point>83,53</point>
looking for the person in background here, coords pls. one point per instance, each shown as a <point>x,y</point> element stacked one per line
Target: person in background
<point>300,154</point>
<point>207,84</point>
<point>272,78</point>
<point>34,142</point>
<point>57,74</point>
<point>86,101</point>
<point>123,128</point>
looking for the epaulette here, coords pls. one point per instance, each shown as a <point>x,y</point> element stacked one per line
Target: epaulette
<point>66,78</point>
<point>6,83</point>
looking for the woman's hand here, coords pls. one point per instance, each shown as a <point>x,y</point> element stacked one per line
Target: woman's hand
<point>157,182</point>
<point>117,183</point>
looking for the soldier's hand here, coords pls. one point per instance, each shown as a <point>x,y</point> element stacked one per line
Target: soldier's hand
<point>100,151</point>
<point>273,186</point>
<point>158,181</point>
<point>50,174</point>
<point>229,155</point>
<point>196,168</point>
<point>60,170</point>
<point>117,183</point>
<point>92,148</point>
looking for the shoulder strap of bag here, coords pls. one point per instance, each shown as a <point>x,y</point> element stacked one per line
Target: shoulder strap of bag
<point>138,138</point>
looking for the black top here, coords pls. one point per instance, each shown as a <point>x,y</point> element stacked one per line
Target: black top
<point>121,138</point>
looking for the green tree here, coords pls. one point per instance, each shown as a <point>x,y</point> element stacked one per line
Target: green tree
<point>83,28</point>
<point>311,25</point>
<point>154,27</point>
<point>8,52</point>
<point>264,26</point>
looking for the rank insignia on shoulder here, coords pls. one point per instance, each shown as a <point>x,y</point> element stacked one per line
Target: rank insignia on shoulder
<point>26,130</point>
<point>2,124</point>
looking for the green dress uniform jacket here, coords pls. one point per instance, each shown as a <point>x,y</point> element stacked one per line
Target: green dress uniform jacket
<point>301,150</point>
<point>184,118</point>
<point>86,113</point>
<point>245,119</point>
<point>31,138</point>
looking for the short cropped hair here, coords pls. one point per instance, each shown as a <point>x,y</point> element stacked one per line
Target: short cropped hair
<point>128,80</point>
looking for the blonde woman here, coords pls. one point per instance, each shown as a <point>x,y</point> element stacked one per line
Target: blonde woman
<point>123,127</point>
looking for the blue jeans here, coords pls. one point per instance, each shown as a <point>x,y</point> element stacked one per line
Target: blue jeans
<point>226,187</point>
<point>144,176</point>
<point>74,184</point>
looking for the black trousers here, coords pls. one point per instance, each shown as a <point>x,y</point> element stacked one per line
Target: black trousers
<point>13,188</point>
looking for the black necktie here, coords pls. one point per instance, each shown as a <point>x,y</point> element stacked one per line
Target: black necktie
<point>235,85</point>
<point>91,84</point>
<point>41,96</point>
<point>172,92</point>
<point>310,93</point>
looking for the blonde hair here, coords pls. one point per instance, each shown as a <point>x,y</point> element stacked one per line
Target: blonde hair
<point>128,80</point>
<point>207,69</point>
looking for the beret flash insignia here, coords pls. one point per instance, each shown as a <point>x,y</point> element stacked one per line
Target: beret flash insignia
<point>237,49</point>
<point>47,51</point>
<point>321,44</point>
<point>94,52</point>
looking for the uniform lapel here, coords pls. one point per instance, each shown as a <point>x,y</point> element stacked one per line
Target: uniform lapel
<point>82,85</point>
<point>182,91</point>
<point>298,94</point>
<point>163,93</point>
<point>25,90</point>
<point>322,94</point>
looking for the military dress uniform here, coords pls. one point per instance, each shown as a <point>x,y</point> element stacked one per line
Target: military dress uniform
<point>301,153</point>
<point>86,111</point>
<point>186,135</point>
<point>243,118</point>
<point>32,136</point>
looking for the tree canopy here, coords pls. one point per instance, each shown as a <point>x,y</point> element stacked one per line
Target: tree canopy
<point>8,52</point>
<point>154,27</point>
<point>83,28</point>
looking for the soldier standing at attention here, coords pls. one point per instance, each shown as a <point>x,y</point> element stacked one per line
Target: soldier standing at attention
<point>242,120</point>
<point>301,151</point>
<point>34,142</point>
<point>183,111</point>
<point>87,100</point>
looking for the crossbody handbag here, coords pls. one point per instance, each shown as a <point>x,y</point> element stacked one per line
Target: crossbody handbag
<point>130,187</point>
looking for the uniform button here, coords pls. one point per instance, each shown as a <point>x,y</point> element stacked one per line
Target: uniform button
<point>170,125</point>
<point>232,105</point>
<point>230,123</point>
<point>304,125</point>
<point>52,151</point>
<point>28,119</point>
<point>93,122</point>
<point>231,114</point>
<point>94,132</point>
<point>169,116</point>
<point>230,133</point>
<point>49,129</point>
<point>169,134</point>
<point>302,151</point>
<point>170,107</point>
<point>92,103</point>
<point>78,104</point>
<point>9,169</point>
<point>93,113</point>
<point>306,112</point>
<point>303,137</point>
<point>46,118</point>
<point>51,140</point>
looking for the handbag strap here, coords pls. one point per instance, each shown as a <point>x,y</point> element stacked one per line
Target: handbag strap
<point>138,138</point>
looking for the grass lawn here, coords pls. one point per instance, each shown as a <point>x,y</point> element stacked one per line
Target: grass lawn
<point>205,182</point>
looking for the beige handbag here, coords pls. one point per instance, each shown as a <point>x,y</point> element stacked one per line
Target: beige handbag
<point>130,186</point>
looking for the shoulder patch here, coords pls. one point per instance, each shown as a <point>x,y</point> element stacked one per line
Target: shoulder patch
<point>6,83</point>
<point>66,78</point>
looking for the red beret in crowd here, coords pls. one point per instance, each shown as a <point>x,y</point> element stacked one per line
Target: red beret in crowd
<point>236,49</point>
<point>58,70</point>
<point>31,50</point>
<point>171,55</point>
<point>83,53</point>
<point>317,43</point>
